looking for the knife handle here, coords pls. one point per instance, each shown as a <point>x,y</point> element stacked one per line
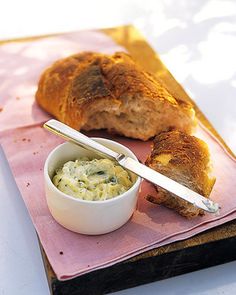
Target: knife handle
<point>80,139</point>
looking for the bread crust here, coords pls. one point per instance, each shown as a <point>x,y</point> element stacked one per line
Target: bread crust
<point>185,159</point>
<point>96,91</point>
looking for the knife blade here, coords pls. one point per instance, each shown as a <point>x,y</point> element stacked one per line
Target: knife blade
<point>145,172</point>
<point>169,184</point>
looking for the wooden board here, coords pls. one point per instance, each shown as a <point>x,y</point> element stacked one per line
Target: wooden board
<point>217,245</point>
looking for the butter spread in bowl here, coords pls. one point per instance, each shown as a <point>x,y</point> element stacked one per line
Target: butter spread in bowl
<point>92,180</point>
<point>88,175</point>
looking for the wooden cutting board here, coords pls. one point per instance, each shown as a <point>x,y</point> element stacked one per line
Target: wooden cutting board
<point>216,245</point>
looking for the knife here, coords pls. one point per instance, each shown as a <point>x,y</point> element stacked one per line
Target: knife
<point>132,165</point>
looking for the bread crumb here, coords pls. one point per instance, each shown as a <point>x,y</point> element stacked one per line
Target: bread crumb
<point>1,109</point>
<point>17,98</point>
<point>150,198</point>
<point>26,139</point>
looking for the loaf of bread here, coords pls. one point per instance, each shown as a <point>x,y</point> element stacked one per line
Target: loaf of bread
<point>185,159</point>
<point>97,91</point>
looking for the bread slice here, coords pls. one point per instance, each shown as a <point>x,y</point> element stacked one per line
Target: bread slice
<point>97,91</point>
<point>185,159</point>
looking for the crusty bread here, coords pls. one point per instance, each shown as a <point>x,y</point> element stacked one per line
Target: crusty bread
<point>96,91</point>
<point>185,159</point>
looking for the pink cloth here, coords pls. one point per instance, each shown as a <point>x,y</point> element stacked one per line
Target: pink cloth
<point>27,145</point>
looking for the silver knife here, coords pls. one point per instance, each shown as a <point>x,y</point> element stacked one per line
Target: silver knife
<point>145,172</point>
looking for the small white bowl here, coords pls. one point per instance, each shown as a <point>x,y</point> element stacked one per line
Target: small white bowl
<point>88,217</point>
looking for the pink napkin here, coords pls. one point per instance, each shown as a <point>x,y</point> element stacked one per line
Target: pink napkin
<point>27,145</point>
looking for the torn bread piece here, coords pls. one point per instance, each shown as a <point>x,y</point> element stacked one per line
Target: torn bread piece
<point>97,91</point>
<point>185,159</point>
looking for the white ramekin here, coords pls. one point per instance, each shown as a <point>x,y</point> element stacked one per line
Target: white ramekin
<point>81,216</point>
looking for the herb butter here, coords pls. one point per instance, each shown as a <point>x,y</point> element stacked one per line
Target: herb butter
<point>93,180</point>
